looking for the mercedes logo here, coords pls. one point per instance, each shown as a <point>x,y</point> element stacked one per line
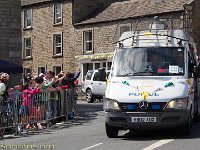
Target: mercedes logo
<point>143,105</point>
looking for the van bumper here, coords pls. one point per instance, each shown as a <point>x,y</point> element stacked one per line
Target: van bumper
<point>163,119</point>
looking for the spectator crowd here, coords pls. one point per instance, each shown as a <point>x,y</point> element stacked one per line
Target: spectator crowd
<point>36,98</point>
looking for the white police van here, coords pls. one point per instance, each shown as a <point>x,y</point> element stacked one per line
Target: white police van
<point>142,95</point>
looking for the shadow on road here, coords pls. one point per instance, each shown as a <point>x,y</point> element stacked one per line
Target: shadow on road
<point>85,114</point>
<point>161,134</point>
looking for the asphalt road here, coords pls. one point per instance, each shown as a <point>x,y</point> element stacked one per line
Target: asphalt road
<point>87,132</point>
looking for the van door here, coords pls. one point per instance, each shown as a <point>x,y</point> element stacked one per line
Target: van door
<point>88,79</point>
<point>95,83</point>
<point>102,85</point>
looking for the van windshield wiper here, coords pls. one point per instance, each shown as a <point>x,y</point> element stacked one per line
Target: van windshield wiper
<point>137,73</point>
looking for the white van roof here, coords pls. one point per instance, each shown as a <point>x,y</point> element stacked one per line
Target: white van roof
<point>158,38</point>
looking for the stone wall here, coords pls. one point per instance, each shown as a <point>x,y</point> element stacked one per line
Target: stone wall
<point>10,33</point>
<point>42,39</point>
<point>196,23</point>
<point>105,34</point>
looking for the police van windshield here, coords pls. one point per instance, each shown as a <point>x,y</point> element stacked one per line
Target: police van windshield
<point>165,61</point>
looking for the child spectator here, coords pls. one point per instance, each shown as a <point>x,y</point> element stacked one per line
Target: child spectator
<point>42,98</point>
<point>26,102</point>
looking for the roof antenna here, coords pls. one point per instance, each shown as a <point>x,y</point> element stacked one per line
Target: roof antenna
<point>155,20</point>
<point>134,32</point>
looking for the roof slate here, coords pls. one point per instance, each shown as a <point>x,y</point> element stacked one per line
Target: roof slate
<point>135,8</point>
<point>30,2</point>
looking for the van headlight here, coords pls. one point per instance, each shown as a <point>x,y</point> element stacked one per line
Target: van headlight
<point>179,103</point>
<point>109,105</point>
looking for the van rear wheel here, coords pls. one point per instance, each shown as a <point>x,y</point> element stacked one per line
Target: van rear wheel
<point>112,132</point>
<point>89,96</point>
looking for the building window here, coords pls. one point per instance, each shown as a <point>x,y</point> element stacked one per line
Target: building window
<point>97,66</point>
<point>57,44</point>
<point>57,69</point>
<point>109,65</point>
<point>87,41</point>
<point>57,13</point>
<point>27,47</point>
<point>26,71</point>
<point>96,77</point>
<point>124,28</point>
<point>104,64</point>
<point>41,70</point>
<point>27,18</point>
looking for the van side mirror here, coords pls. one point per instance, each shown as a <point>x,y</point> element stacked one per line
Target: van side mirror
<point>102,74</point>
<point>197,71</point>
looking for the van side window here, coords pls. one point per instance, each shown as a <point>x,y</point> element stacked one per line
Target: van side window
<point>95,78</point>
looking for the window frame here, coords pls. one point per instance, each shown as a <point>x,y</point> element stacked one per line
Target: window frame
<point>25,72</point>
<point>124,25</point>
<point>55,54</point>
<point>55,17</point>
<point>25,48</point>
<point>39,69</point>
<point>89,41</point>
<point>109,65</point>
<point>95,76</point>
<point>25,18</point>
<point>89,74</point>
<point>54,69</point>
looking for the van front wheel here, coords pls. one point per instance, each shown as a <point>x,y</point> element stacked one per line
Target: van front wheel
<point>89,96</point>
<point>186,129</point>
<point>112,132</point>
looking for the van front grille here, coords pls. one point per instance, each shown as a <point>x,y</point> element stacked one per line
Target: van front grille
<point>133,107</point>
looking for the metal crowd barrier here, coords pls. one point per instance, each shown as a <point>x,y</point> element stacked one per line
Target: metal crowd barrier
<point>31,111</point>
<point>79,93</point>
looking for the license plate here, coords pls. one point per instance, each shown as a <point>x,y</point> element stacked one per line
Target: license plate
<point>143,119</point>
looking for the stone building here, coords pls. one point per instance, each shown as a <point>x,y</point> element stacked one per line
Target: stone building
<point>59,34</point>
<point>10,34</point>
<point>104,21</point>
<point>194,16</point>
<point>47,36</point>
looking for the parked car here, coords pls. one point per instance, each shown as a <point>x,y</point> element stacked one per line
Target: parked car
<point>93,87</point>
